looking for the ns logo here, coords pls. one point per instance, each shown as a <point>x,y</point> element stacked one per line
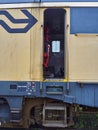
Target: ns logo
<point>30,21</point>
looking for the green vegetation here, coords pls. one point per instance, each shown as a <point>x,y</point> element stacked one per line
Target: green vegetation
<point>87,120</point>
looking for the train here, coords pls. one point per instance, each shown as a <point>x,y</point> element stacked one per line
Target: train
<point>48,61</point>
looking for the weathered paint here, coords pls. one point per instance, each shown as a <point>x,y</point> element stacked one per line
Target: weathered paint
<point>19,49</point>
<point>83,63</point>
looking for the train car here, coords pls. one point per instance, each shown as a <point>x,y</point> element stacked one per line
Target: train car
<point>48,61</point>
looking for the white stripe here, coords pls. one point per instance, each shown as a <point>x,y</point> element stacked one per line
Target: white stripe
<point>50,4</point>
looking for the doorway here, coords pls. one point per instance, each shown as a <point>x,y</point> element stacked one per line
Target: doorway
<point>54,43</point>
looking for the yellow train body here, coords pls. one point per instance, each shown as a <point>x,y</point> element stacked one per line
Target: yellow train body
<point>47,92</point>
<point>21,55</point>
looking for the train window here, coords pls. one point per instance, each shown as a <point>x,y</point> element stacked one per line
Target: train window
<point>55,46</point>
<point>54,43</point>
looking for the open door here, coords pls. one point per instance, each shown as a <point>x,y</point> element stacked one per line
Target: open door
<point>54,44</point>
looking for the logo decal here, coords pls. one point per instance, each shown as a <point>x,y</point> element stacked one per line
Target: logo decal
<point>30,21</point>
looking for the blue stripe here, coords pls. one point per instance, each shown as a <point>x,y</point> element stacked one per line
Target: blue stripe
<point>79,93</point>
<point>69,0</point>
<point>84,20</point>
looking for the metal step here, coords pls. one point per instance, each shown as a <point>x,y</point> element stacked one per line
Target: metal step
<point>15,116</point>
<point>55,124</point>
<point>54,115</point>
